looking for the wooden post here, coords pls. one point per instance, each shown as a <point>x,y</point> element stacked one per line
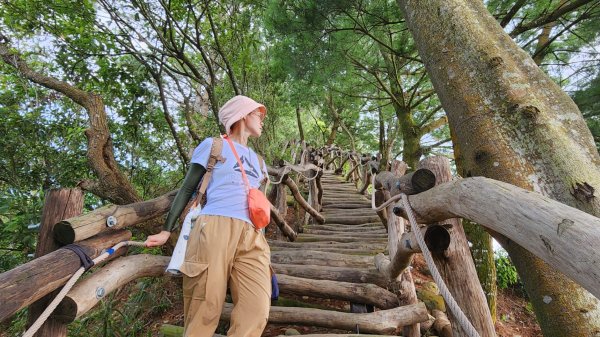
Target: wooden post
<point>59,204</point>
<point>456,265</point>
<point>406,286</point>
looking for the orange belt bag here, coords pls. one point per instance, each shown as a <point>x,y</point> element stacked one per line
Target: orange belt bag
<point>259,207</point>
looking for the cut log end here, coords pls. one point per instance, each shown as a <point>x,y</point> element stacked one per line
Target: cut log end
<point>64,233</point>
<point>66,311</point>
<point>437,238</point>
<point>423,180</point>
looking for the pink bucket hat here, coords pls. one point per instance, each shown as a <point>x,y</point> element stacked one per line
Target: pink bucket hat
<point>237,108</point>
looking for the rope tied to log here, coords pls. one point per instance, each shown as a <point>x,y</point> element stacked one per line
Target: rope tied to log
<point>63,292</point>
<point>289,168</point>
<point>86,261</point>
<point>456,310</point>
<point>387,202</point>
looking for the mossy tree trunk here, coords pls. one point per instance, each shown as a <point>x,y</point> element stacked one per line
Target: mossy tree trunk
<point>509,121</point>
<point>483,256</point>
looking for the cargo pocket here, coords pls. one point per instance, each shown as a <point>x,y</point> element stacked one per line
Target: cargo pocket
<point>194,285</point>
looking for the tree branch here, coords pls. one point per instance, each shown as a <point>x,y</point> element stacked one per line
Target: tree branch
<point>559,11</point>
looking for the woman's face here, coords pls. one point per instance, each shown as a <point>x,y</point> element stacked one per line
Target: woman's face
<point>254,123</point>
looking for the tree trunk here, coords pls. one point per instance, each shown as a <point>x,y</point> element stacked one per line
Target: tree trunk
<point>59,204</point>
<point>482,251</point>
<point>300,130</point>
<point>509,121</point>
<point>411,135</point>
<point>112,184</point>
<point>334,129</point>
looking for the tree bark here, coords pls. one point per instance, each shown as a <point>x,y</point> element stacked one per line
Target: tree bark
<point>509,121</point>
<point>482,251</point>
<point>59,204</point>
<point>299,121</point>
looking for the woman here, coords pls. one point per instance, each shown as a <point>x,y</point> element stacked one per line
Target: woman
<point>223,247</point>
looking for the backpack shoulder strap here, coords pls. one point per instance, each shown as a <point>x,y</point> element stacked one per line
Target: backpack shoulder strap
<point>215,156</point>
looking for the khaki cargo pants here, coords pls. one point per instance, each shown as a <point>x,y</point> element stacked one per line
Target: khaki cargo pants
<point>222,252</point>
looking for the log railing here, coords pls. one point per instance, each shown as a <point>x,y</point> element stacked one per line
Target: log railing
<point>560,235</point>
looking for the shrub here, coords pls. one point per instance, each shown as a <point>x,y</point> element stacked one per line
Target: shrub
<point>506,274</point>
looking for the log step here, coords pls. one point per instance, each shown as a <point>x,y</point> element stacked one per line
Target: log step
<point>351,220</point>
<point>345,291</point>
<point>348,251</point>
<point>342,274</point>
<point>320,258</point>
<point>388,321</point>
<point>342,238</point>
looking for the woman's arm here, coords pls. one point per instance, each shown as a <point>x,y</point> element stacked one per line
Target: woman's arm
<point>190,183</point>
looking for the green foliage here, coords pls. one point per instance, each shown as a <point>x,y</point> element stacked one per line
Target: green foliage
<point>17,211</point>
<point>588,101</point>
<point>506,272</point>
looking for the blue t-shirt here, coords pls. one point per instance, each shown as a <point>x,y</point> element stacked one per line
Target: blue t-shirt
<point>226,193</point>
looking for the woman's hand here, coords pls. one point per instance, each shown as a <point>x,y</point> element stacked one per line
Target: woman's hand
<point>157,239</point>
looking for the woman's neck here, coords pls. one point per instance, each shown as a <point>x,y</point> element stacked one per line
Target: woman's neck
<point>239,136</point>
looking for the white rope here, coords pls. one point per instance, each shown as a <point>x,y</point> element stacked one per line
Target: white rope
<point>286,170</point>
<point>387,202</point>
<point>63,292</point>
<point>289,168</point>
<point>458,313</point>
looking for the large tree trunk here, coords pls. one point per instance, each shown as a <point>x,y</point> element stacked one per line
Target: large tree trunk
<point>509,121</point>
<point>411,135</point>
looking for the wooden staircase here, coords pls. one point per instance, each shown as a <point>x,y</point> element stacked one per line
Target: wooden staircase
<point>335,260</point>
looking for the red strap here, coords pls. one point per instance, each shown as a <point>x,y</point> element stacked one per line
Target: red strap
<point>238,160</point>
